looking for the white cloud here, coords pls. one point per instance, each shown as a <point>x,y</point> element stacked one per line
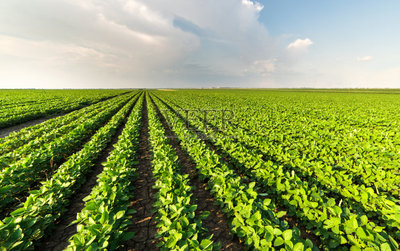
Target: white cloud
<point>300,44</point>
<point>156,43</point>
<point>133,42</point>
<point>262,67</point>
<point>252,4</point>
<point>366,58</point>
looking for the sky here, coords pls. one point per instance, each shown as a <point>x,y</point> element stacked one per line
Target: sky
<point>199,44</point>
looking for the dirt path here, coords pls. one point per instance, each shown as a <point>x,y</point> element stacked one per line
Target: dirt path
<point>216,222</point>
<point>6,131</point>
<point>144,225</point>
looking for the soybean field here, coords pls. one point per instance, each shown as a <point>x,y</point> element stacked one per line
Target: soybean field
<point>210,169</point>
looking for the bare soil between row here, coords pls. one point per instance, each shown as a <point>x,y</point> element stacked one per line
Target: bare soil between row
<point>144,220</point>
<point>217,222</point>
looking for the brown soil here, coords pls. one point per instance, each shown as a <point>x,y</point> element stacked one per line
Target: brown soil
<point>144,220</point>
<point>57,238</point>
<point>217,222</point>
<point>6,131</point>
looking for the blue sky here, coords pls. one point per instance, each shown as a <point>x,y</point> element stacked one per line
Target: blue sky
<point>199,43</point>
<point>343,31</point>
<point>342,27</point>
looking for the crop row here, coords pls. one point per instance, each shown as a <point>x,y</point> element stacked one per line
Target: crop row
<point>28,134</point>
<point>336,225</point>
<point>254,219</point>
<point>31,220</point>
<point>365,152</point>
<point>19,176</point>
<point>16,115</point>
<point>46,137</point>
<point>103,221</point>
<point>364,159</point>
<point>332,183</point>
<point>27,97</point>
<point>179,227</point>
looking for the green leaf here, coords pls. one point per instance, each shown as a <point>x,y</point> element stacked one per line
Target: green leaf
<point>288,244</point>
<point>104,217</point>
<point>333,243</point>
<point>266,202</point>
<point>120,214</point>
<point>184,221</point>
<point>91,206</point>
<point>309,243</point>
<point>193,208</point>
<point>331,202</point>
<point>287,234</point>
<point>394,243</point>
<point>361,234</point>
<point>278,242</point>
<point>355,248</point>
<point>127,236</point>
<point>105,244</point>
<point>16,235</point>
<point>385,247</point>
<point>77,240</point>
<point>252,185</point>
<point>364,219</point>
<point>280,214</point>
<point>91,240</point>
<point>18,211</point>
<point>298,247</point>
<point>364,197</point>
<point>16,244</point>
<point>277,231</point>
<point>336,229</point>
<point>131,211</point>
<point>204,215</point>
<point>351,226</point>
<point>28,202</point>
<point>206,243</point>
<point>173,239</point>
